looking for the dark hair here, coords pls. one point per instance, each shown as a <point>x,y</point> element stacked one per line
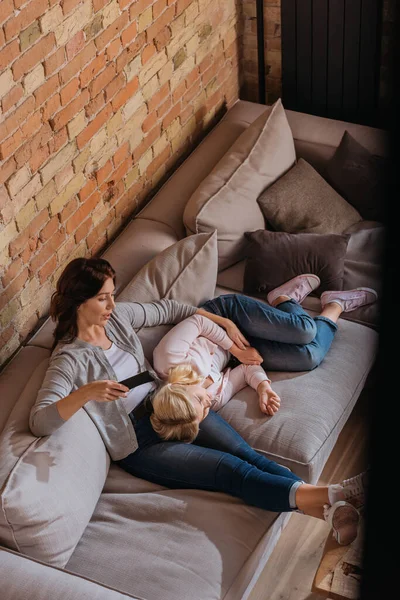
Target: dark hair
<point>81,279</point>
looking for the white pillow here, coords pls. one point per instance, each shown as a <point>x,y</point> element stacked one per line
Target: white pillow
<point>186,271</point>
<point>227,198</point>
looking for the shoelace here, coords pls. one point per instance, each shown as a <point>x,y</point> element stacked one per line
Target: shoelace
<point>355,484</point>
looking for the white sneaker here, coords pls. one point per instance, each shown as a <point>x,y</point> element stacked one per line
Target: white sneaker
<point>296,288</point>
<point>350,299</point>
<point>344,519</point>
<point>353,489</point>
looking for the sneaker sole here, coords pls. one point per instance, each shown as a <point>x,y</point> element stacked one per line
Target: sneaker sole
<point>345,522</point>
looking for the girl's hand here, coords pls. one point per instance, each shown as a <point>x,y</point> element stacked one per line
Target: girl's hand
<point>235,334</point>
<point>104,391</point>
<point>268,400</point>
<point>248,356</point>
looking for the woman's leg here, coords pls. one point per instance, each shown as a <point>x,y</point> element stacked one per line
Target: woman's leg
<point>180,465</point>
<point>288,323</point>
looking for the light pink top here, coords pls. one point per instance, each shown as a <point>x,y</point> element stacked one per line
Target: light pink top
<point>202,343</point>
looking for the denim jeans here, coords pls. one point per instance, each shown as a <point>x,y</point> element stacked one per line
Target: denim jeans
<point>287,338</point>
<point>218,460</point>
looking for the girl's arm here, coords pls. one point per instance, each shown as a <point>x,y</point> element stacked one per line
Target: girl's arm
<point>231,329</point>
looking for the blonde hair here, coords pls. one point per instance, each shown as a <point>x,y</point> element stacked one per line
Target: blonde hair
<point>174,416</point>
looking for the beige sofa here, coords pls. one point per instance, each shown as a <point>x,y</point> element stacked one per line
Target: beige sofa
<point>73,525</point>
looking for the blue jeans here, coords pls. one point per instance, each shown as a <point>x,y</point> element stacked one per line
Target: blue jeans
<point>287,338</point>
<point>218,460</point>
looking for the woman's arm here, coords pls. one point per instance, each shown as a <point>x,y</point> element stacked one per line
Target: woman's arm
<point>150,314</point>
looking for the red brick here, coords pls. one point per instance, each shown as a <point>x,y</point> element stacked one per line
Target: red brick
<point>48,269</point>
<point>114,86</point>
<point>162,38</point>
<point>98,4</point>
<point>103,173</point>
<point>158,97</point>
<point>122,170</point>
<point>147,142</point>
<point>54,62</point>
<point>7,334</point>
<point>50,228</point>
<point>68,210</point>
<point>32,56</point>
<point>102,80</point>
<point>29,235</point>
<point>148,52</point>
<point>83,230</point>
<point>94,126</point>
<point>33,10</point>
<point>46,90</point>
<point>39,158</point>
<point>186,114</point>
<point>68,5</point>
<point>87,189</point>
<point>133,50</point>
<point>179,92</point>
<point>16,118</point>
<point>13,288</point>
<point>69,112</point>
<point>181,5</point>
<point>95,105</point>
<point>69,91</point>
<point>51,107</point>
<point>47,251</point>
<point>10,145</point>
<point>4,197</point>
<point>129,34</point>
<point>192,93</point>
<point>8,54</point>
<point>159,24</point>
<point>113,49</point>
<point>32,124</point>
<point>92,69</point>
<point>77,63</point>
<point>112,30</point>
<point>81,214</point>
<point>121,153</point>
<point>13,96</point>
<point>158,8</point>
<point>11,273</point>
<point>164,108</point>
<point>75,45</point>
<point>30,249</point>
<point>149,121</point>
<point>2,38</point>
<point>6,10</point>
<point>173,113</point>
<point>58,140</point>
<point>138,7</point>
<point>97,235</point>
<point>7,169</point>
<point>122,97</point>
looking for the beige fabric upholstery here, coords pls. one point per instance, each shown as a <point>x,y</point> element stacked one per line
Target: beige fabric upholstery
<point>303,202</point>
<point>226,199</point>
<point>24,578</point>
<point>186,271</point>
<point>53,483</point>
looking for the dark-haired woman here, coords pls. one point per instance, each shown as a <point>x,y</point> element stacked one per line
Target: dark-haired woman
<point>96,346</point>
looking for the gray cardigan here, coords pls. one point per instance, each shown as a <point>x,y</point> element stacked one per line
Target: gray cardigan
<point>75,364</point>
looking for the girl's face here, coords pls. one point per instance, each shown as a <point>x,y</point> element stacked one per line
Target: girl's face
<point>97,310</point>
<point>201,400</point>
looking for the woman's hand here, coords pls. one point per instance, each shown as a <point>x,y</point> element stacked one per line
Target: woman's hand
<point>268,400</point>
<point>104,391</point>
<point>248,356</point>
<point>235,334</point>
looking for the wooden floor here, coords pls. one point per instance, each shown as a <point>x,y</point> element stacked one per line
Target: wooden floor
<point>290,570</point>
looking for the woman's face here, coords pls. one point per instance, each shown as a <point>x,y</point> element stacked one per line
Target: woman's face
<point>97,310</point>
<point>201,400</point>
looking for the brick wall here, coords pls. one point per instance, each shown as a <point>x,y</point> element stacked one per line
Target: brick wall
<point>99,99</point>
<point>273,58</point>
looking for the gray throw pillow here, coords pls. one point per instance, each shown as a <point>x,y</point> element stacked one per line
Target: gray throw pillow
<point>273,257</point>
<point>360,177</point>
<point>301,201</point>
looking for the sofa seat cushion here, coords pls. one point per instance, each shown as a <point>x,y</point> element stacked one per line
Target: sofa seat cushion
<point>169,544</point>
<point>315,404</point>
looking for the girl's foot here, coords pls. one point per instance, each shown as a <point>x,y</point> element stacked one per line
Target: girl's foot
<point>343,518</point>
<point>296,289</point>
<point>350,299</point>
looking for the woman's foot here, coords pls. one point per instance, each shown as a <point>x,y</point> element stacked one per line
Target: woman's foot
<point>295,289</point>
<point>344,519</point>
<point>349,300</point>
<point>351,490</point>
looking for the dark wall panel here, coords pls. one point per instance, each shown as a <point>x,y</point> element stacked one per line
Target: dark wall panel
<point>331,58</point>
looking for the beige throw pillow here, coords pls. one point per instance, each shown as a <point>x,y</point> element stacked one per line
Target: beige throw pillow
<point>303,202</point>
<point>186,271</point>
<point>227,198</point>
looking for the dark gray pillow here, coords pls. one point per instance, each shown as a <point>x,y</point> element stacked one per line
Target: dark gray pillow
<point>273,257</point>
<point>360,177</point>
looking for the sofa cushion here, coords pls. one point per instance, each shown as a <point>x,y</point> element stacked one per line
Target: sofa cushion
<point>275,257</point>
<point>53,482</point>
<point>359,176</point>
<point>226,199</point>
<point>303,202</point>
<point>186,271</point>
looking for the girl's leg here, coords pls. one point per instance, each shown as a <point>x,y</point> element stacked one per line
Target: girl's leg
<point>287,323</point>
<point>180,465</point>
<point>297,357</point>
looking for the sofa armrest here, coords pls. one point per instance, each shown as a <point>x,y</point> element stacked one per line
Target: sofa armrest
<point>23,577</point>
